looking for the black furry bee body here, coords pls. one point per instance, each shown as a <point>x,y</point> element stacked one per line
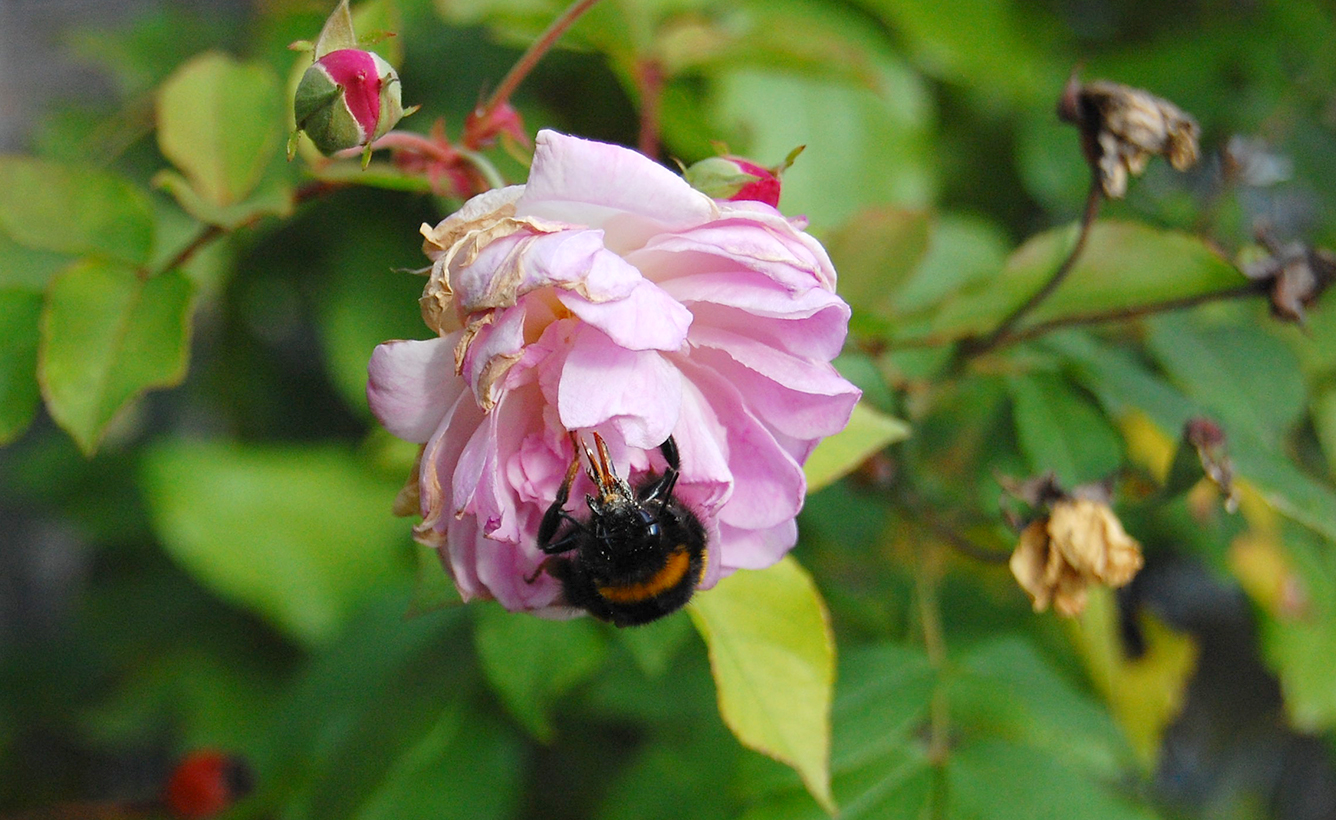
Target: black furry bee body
<point>640,555</point>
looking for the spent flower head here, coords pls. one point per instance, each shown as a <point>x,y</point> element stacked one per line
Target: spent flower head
<point>1123,127</point>
<point>606,296</point>
<point>1076,541</point>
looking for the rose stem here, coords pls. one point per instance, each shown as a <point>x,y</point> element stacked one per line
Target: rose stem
<point>973,347</point>
<point>650,79</point>
<point>531,57</point>
<point>927,576</point>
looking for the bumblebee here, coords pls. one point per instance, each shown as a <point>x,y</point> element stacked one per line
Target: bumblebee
<point>640,555</point>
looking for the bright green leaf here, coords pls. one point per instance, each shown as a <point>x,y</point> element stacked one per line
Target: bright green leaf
<point>221,123</point>
<point>19,315</point>
<point>300,535</point>
<point>1061,430</point>
<point>532,662</point>
<point>773,658</point>
<point>73,210</point>
<point>108,335</point>
<point>836,456</point>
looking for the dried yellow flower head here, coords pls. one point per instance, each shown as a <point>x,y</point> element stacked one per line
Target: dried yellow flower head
<point>1080,542</point>
<point>1123,127</point>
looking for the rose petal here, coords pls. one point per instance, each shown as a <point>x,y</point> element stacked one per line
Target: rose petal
<point>411,384</point>
<point>636,392</point>
<point>607,186</point>
<point>757,549</point>
<point>646,319</point>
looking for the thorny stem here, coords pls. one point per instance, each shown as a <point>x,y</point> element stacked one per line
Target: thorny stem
<point>927,576</point>
<point>973,347</point>
<point>531,57</point>
<point>650,79</point>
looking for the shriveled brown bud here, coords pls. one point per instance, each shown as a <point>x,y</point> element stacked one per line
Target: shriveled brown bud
<point>1296,275</point>
<point>1081,542</point>
<point>1123,127</point>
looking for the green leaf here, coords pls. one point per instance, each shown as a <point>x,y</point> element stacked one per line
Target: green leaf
<point>27,269</point>
<point>221,123</point>
<point>878,765</point>
<point>274,198</point>
<point>1124,265</point>
<point>300,535</point>
<point>384,724</point>
<point>76,210</point>
<point>1060,430</point>
<point>1324,422</point>
<point>108,335</point>
<point>1299,642</point>
<point>433,588</point>
<point>836,456</point>
<point>875,252</point>
<point>991,44</point>
<point>868,140</point>
<point>773,658</point>
<point>654,645</point>
<point>1247,378</point>
<point>532,662</point>
<point>20,312</point>
<point>1000,780</point>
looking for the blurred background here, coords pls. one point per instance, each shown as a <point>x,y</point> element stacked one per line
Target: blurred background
<point>225,571</point>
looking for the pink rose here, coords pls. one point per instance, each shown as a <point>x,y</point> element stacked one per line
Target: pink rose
<point>607,296</point>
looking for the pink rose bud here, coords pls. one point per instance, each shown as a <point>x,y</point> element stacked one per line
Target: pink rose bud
<point>613,342</point>
<point>347,99</point>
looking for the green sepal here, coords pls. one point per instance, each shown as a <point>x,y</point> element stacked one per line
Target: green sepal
<point>337,33</point>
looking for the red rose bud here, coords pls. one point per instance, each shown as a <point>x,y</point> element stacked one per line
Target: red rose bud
<point>733,179</point>
<point>347,99</point>
<point>206,783</point>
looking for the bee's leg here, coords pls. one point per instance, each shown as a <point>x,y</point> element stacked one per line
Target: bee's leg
<point>556,514</point>
<point>662,489</point>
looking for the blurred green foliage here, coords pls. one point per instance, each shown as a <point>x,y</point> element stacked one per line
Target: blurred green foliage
<point>215,564</point>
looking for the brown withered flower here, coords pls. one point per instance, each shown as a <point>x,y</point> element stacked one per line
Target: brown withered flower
<point>1079,543</point>
<point>1123,127</point>
<point>1296,274</point>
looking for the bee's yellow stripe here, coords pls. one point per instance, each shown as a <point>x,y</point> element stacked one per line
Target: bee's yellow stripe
<point>666,578</point>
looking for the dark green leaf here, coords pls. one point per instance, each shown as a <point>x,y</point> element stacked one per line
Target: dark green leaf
<point>107,335</point>
<point>532,662</point>
<point>773,658</point>
<point>74,210</point>
<point>1247,378</point>
<point>19,315</point>
<point>1060,430</point>
<point>301,536</point>
<point>999,780</point>
<point>1124,265</point>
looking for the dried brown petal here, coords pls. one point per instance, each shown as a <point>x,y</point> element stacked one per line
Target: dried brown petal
<point>1080,543</point>
<point>1296,273</point>
<point>1123,127</point>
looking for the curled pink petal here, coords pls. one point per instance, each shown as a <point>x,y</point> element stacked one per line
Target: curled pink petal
<point>409,385</point>
<point>608,297</point>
